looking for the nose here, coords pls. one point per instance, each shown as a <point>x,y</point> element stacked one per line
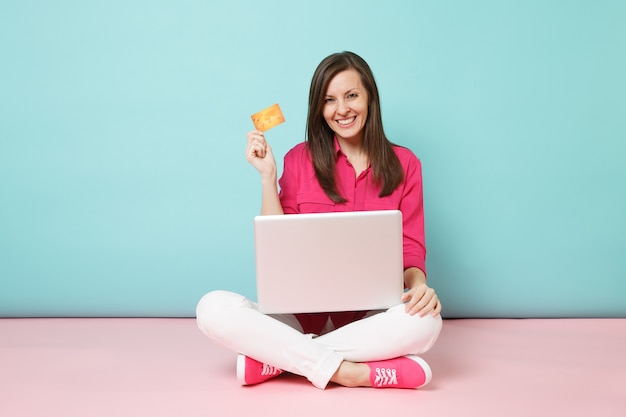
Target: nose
<point>342,107</point>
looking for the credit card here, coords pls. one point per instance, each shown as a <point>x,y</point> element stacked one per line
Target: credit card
<point>268,118</point>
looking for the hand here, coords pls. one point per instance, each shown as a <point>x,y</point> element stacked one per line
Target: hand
<point>422,300</point>
<point>259,153</point>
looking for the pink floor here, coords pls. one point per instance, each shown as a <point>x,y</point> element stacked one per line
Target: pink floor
<point>165,367</point>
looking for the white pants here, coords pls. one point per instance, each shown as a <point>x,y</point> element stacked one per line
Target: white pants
<point>277,340</point>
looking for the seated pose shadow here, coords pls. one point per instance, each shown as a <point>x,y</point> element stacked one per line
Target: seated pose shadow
<point>345,164</point>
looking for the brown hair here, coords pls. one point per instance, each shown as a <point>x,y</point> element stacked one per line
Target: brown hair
<point>385,164</point>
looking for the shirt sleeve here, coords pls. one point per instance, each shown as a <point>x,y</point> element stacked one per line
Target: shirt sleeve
<point>412,208</point>
<point>288,184</point>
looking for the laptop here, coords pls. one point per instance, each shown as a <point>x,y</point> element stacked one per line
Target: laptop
<point>326,262</point>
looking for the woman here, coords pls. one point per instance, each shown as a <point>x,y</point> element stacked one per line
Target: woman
<point>346,164</point>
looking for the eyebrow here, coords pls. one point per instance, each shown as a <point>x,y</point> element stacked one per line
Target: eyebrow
<point>347,92</point>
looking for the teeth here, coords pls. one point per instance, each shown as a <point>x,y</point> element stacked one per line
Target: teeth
<point>346,121</point>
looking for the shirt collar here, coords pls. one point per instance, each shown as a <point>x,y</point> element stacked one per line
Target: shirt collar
<point>338,150</point>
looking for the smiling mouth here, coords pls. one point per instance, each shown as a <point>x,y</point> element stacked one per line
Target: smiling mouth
<point>346,121</point>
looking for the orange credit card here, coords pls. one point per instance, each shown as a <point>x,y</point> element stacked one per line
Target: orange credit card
<point>268,118</point>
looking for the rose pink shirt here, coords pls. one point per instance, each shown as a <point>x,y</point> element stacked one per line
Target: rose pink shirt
<point>300,192</point>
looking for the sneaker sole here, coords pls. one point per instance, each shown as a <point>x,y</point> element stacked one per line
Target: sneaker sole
<point>241,369</point>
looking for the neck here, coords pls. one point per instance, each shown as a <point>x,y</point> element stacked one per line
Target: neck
<point>351,147</point>
<point>356,155</point>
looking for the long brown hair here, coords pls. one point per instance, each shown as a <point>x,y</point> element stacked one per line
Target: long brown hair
<point>386,166</point>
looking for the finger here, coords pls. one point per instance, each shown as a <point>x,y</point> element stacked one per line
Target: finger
<point>423,297</point>
<point>262,146</point>
<point>258,152</point>
<point>412,306</point>
<point>257,143</point>
<point>256,147</point>
<point>430,307</point>
<point>252,154</point>
<point>409,299</point>
<point>437,309</point>
<point>420,302</point>
<point>255,134</point>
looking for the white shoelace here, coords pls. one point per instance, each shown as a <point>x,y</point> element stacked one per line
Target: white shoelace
<point>269,370</point>
<point>385,376</point>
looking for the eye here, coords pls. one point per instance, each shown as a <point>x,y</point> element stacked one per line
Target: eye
<point>353,95</point>
<point>329,100</point>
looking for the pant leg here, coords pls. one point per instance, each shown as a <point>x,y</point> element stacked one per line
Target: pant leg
<point>386,335</point>
<point>236,323</point>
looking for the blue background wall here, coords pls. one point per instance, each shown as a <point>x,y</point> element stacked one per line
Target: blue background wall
<point>125,192</point>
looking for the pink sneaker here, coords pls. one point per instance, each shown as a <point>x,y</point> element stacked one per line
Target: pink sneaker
<point>404,372</point>
<point>250,372</point>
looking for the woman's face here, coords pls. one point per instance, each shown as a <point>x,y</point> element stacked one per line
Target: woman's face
<point>346,105</point>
